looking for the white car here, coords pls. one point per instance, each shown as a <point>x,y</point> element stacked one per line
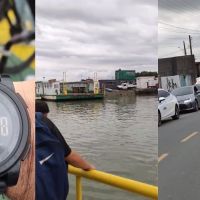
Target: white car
<point>168,106</point>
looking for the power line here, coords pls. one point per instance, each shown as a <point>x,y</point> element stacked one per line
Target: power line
<point>186,10</point>
<point>178,27</point>
<point>173,31</point>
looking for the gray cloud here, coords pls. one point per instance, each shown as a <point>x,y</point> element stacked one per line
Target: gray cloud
<point>179,5</point>
<point>83,37</point>
<point>178,19</point>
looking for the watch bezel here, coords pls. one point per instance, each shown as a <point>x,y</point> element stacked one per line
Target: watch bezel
<point>23,139</point>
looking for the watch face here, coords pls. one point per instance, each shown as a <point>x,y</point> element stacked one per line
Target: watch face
<point>9,126</point>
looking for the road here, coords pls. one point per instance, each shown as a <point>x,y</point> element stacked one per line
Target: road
<point>179,158</point>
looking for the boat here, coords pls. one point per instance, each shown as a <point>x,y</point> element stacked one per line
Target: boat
<point>53,90</point>
<point>109,90</point>
<point>72,97</point>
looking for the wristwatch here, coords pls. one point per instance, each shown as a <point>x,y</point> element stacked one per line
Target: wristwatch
<point>14,133</point>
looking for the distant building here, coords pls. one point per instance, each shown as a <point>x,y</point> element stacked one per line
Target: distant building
<point>112,84</point>
<point>125,75</point>
<point>181,65</point>
<point>144,82</point>
<point>120,77</point>
<point>198,68</point>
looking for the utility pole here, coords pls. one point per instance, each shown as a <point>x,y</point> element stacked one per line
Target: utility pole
<point>190,41</point>
<point>185,52</point>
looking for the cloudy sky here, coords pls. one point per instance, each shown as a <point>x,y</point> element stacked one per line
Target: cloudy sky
<point>84,37</point>
<point>177,20</point>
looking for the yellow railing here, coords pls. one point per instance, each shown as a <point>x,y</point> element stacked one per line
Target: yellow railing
<point>116,181</point>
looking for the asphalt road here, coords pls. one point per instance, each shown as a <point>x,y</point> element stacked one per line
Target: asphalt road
<point>179,158</point>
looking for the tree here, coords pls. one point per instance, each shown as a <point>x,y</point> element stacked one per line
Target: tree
<point>146,73</point>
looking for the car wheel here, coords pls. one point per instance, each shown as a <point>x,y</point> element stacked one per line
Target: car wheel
<point>196,106</point>
<point>177,113</point>
<point>159,119</point>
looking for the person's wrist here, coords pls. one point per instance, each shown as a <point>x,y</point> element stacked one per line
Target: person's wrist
<point>25,189</point>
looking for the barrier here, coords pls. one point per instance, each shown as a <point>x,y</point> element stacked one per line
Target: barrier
<point>112,180</point>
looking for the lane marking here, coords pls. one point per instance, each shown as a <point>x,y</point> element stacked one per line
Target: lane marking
<point>162,157</point>
<point>189,137</point>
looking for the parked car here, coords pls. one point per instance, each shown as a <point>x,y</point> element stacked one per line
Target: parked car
<point>198,80</point>
<point>198,86</point>
<point>168,106</point>
<point>188,97</point>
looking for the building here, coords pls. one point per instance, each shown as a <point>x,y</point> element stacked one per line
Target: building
<point>198,68</point>
<point>144,82</point>
<point>103,84</point>
<point>125,76</point>
<point>170,83</point>
<point>181,65</point>
<point>121,76</point>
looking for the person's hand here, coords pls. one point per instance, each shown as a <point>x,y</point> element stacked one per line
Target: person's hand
<point>76,160</point>
<point>25,188</point>
<point>90,167</point>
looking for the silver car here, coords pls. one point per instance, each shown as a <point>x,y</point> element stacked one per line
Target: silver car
<point>188,97</point>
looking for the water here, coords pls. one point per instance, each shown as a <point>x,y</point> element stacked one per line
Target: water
<point>118,136</point>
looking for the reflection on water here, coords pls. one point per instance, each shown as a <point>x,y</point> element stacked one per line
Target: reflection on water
<point>118,136</point>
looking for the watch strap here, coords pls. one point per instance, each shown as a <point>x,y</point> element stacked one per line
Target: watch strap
<point>7,81</point>
<point>10,178</point>
<point>2,187</point>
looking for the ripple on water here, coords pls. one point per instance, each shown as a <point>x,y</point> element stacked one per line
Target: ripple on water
<point>118,136</point>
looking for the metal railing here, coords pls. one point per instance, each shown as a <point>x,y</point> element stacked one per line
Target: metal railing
<point>116,181</point>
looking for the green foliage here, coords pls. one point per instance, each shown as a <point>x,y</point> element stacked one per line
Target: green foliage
<point>146,73</point>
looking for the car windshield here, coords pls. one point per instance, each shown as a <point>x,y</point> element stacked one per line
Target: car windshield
<point>198,86</point>
<point>182,91</point>
<point>163,93</point>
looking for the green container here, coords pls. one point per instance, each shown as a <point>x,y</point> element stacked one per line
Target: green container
<point>125,75</point>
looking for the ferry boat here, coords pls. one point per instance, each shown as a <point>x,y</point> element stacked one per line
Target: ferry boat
<point>54,90</point>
